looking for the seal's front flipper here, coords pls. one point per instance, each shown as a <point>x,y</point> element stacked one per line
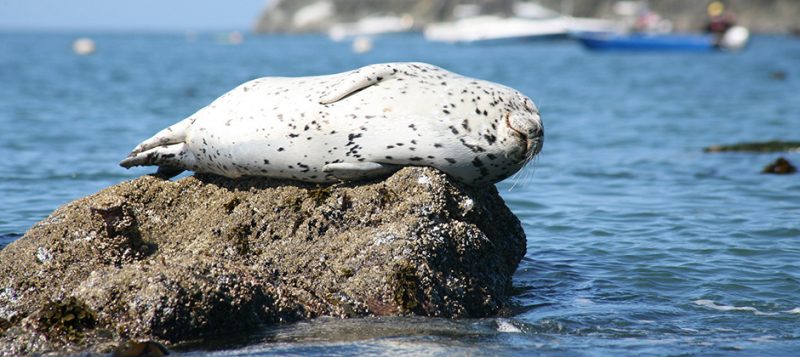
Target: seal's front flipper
<point>357,80</point>
<point>350,171</point>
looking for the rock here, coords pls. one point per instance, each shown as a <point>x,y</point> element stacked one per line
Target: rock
<point>778,75</point>
<point>764,146</point>
<point>171,261</point>
<point>140,349</point>
<point>780,166</point>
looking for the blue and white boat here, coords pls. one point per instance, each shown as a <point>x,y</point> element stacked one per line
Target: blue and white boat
<point>735,38</point>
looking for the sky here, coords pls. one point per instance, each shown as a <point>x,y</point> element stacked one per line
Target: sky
<point>150,15</point>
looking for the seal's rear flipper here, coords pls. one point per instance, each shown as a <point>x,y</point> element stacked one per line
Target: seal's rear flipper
<point>347,171</point>
<point>171,159</point>
<point>174,134</point>
<point>357,80</point>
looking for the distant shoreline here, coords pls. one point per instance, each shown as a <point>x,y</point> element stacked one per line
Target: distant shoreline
<point>762,17</point>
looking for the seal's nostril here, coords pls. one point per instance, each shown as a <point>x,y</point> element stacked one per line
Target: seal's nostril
<point>538,129</point>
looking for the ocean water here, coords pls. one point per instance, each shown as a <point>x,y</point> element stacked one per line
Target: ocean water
<point>638,242</point>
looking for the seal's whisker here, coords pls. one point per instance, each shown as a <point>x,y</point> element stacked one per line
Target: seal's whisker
<point>526,172</point>
<point>521,174</point>
<point>531,170</point>
<point>526,178</point>
<point>516,177</point>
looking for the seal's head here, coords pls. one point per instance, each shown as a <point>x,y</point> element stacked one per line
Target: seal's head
<point>523,126</point>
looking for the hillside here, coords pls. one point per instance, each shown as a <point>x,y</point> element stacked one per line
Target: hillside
<point>763,16</point>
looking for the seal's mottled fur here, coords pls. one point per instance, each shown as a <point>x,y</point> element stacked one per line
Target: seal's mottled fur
<point>352,125</point>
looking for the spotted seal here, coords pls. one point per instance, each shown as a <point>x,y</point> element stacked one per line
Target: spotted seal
<point>360,124</point>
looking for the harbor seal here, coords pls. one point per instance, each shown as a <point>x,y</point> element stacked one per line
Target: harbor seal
<point>354,125</point>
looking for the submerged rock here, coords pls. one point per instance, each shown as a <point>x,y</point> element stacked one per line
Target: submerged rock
<point>172,261</point>
<point>780,166</point>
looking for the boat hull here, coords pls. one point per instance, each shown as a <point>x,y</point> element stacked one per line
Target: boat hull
<point>647,42</point>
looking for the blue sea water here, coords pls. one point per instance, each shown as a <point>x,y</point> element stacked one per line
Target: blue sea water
<point>638,242</point>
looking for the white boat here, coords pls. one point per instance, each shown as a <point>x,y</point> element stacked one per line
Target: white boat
<point>530,21</point>
<point>493,28</point>
<point>371,26</point>
<point>480,29</point>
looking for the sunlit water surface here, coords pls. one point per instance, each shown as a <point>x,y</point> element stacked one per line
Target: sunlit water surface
<point>638,242</point>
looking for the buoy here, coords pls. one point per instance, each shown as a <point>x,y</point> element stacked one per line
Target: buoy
<point>230,38</point>
<point>235,38</point>
<point>735,38</point>
<point>362,45</point>
<point>83,46</point>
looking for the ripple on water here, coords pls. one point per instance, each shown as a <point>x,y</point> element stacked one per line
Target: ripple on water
<point>629,223</point>
<point>7,238</point>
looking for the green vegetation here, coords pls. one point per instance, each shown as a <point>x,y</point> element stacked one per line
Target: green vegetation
<point>319,194</point>
<point>405,287</point>
<point>66,319</point>
<point>764,146</point>
<point>385,196</point>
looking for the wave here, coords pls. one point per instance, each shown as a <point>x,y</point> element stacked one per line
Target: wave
<point>713,305</point>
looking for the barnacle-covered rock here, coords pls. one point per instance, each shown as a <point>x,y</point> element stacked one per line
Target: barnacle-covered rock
<point>171,261</point>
